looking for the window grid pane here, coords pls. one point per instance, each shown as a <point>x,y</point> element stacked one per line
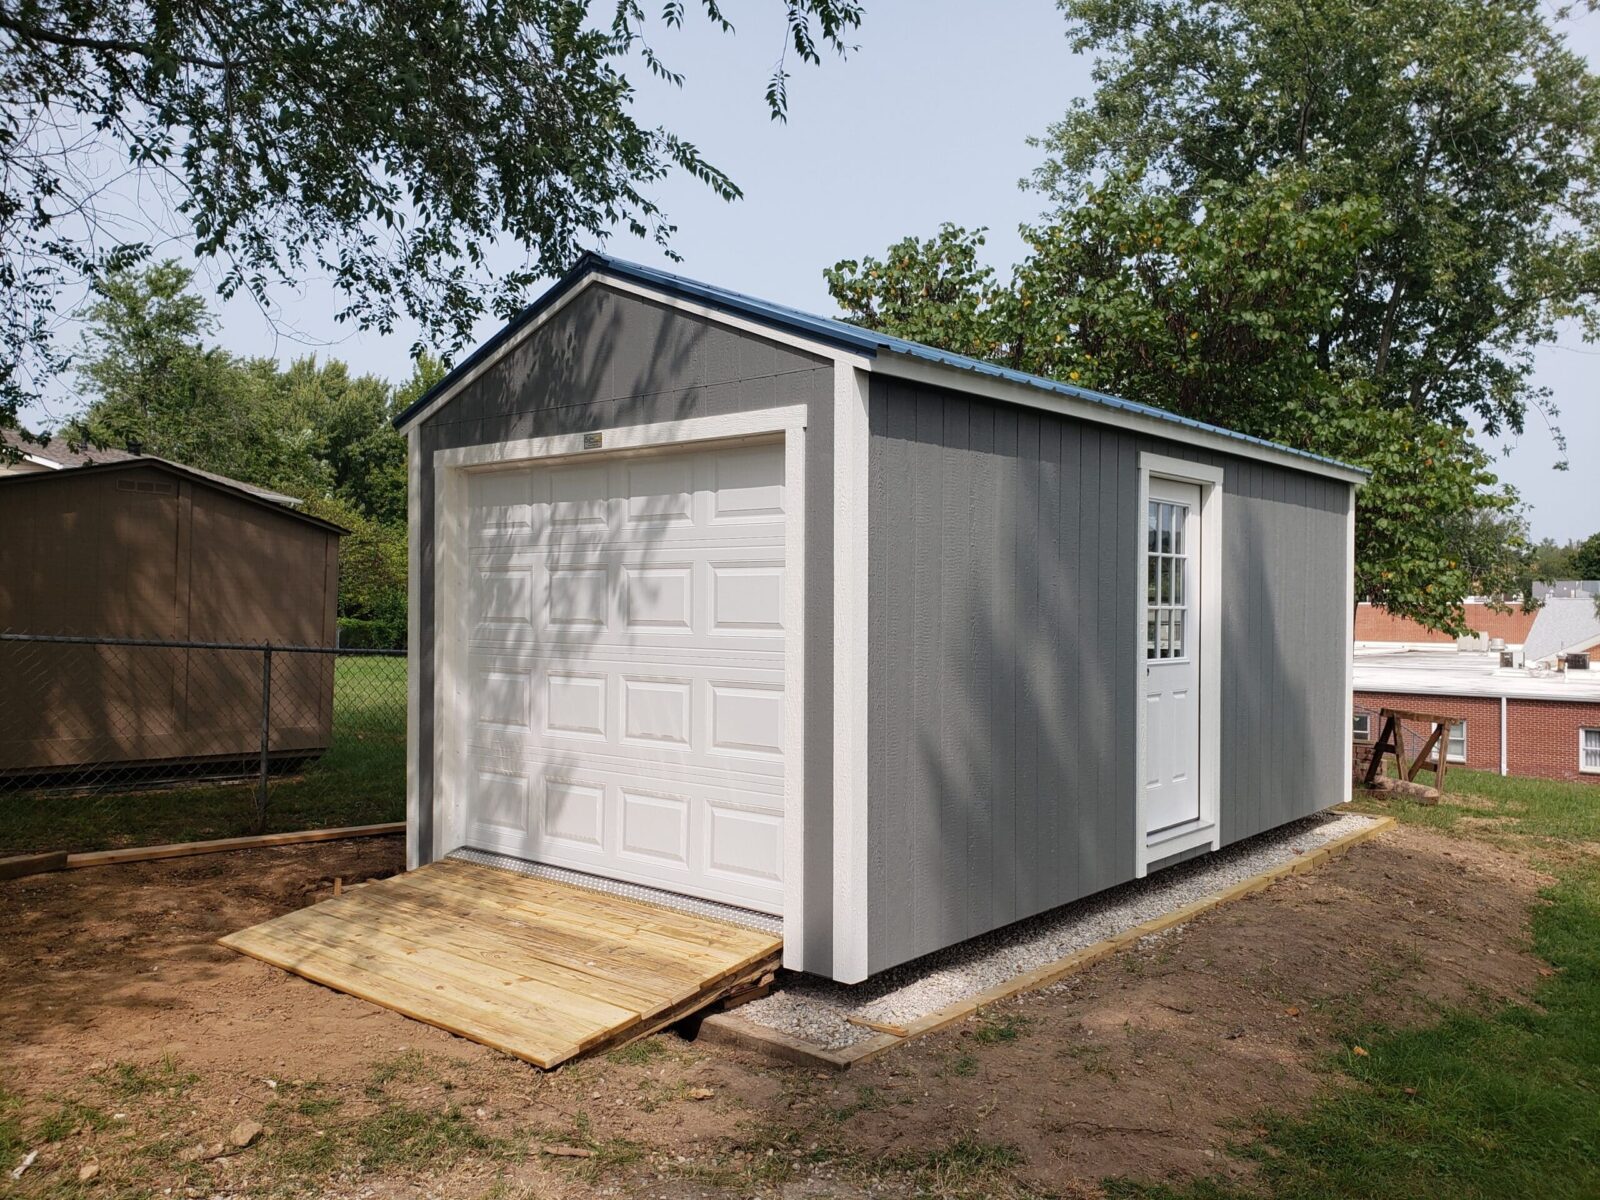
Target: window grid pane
<point>1591,749</point>
<point>1166,570</point>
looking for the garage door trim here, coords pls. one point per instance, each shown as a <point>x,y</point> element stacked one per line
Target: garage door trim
<point>452,679</point>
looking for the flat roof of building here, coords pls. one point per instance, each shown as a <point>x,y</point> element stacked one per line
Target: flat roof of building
<point>1445,671</point>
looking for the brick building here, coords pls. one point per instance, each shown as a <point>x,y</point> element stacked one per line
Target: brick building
<point>1375,624</point>
<point>1516,722</point>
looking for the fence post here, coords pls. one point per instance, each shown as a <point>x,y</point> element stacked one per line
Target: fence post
<point>266,733</point>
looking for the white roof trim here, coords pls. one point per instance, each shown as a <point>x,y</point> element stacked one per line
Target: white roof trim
<point>1028,396</point>
<point>655,296</point>
<point>901,366</point>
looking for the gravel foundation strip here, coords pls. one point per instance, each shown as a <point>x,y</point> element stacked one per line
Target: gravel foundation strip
<point>817,1010</point>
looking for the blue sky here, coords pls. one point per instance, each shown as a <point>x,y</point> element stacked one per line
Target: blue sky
<point>926,122</point>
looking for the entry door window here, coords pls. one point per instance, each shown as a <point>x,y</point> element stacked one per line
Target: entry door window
<point>1166,581</point>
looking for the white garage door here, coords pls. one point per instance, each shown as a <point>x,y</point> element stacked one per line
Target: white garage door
<point>627,645</point>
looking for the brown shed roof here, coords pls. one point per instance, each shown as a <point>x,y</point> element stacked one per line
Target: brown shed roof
<point>286,506</point>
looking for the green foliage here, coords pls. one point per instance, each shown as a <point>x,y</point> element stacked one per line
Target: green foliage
<point>313,431</point>
<point>1470,126</point>
<point>1340,226</point>
<point>932,291</point>
<point>1586,558</point>
<point>380,147</point>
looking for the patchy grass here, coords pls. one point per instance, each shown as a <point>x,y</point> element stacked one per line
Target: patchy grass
<point>360,780</point>
<point>1483,804</point>
<point>126,1080</point>
<point>637,1054</point>
<point>967,1166</point>
<point>1478,1106</point>
<point>12,1145</point>
<point>961,1065</point>
<point>993,1029</point>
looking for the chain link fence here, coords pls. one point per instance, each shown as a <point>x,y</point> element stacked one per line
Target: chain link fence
<point>108,742</point>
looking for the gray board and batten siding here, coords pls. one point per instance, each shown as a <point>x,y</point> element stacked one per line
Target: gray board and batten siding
<point>1003,552</point>
<point>609,360</point>
<point>1003,582</point>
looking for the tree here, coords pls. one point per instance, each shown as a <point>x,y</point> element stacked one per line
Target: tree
<point>1338,225</point>
<point>1470,124</point>
<point>384,146</point>
<point>1586,558</point>
<point>158,388</point>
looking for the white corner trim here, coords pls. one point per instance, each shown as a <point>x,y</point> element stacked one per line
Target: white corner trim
<point>452,562</point>
<point>413,648</point>
<point>450,679</point>
<point>1208,830</point>
<point>1348,732</point>
<point>851,638</point>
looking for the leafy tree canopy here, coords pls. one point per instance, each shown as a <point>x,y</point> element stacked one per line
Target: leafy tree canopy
<point>1586,558</point>
<point>1338,225</point>
<point>384,146</point>
<point>312,430</point>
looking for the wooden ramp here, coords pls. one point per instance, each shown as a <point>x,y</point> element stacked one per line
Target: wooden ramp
<point>541,970</point>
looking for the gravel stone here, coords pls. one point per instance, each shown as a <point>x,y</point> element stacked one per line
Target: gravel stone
<point>816,1010</point>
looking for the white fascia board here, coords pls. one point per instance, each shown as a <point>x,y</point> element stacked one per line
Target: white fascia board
<point>655,296</point>
<point>1025,395</point>
<point>915,369</point>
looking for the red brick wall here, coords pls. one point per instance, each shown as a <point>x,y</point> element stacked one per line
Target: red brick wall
<point>1374,624</point>
<point>1541,735</point>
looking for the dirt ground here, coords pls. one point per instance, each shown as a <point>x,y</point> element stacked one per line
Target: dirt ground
<point>133,1044</point>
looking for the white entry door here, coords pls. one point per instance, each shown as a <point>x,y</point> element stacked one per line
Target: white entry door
<point>1171,683</point>
<point>626,638</point>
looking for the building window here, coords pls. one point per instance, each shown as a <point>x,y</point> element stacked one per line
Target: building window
<point>1361,727</point>
<point>1456,749</point>
<point>1166,572</point>
<point>1589,750</point>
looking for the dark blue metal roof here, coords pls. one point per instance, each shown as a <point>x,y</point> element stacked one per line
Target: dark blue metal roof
<point>829,331</point>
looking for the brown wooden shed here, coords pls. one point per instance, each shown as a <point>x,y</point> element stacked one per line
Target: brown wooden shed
<point>147,549</point>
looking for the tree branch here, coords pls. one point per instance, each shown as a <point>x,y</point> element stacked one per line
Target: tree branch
<point>38,33</point>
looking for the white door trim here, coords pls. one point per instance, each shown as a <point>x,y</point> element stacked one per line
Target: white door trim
<point>1208,830</point>
<point>451,468</point>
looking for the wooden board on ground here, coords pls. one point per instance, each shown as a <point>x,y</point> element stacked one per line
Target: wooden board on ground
<point>538,969</point>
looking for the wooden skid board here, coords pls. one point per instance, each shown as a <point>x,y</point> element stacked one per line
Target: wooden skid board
<point>540,970</point>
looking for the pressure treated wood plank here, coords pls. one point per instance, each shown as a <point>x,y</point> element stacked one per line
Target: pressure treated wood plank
<point>644,986</point>
<point>580,902</point>
<point>538,969</point>
<point>522,1039</point>
<point>597,914</point>
<point>643,950</point>
<point>524,1013</point>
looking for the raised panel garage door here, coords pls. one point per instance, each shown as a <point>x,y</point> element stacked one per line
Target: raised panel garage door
<point>626,645</point>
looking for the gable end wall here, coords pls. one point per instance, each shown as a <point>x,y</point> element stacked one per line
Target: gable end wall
<point>608,360</point>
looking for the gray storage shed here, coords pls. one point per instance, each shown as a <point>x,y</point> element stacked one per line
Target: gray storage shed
<point>720,598</point>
